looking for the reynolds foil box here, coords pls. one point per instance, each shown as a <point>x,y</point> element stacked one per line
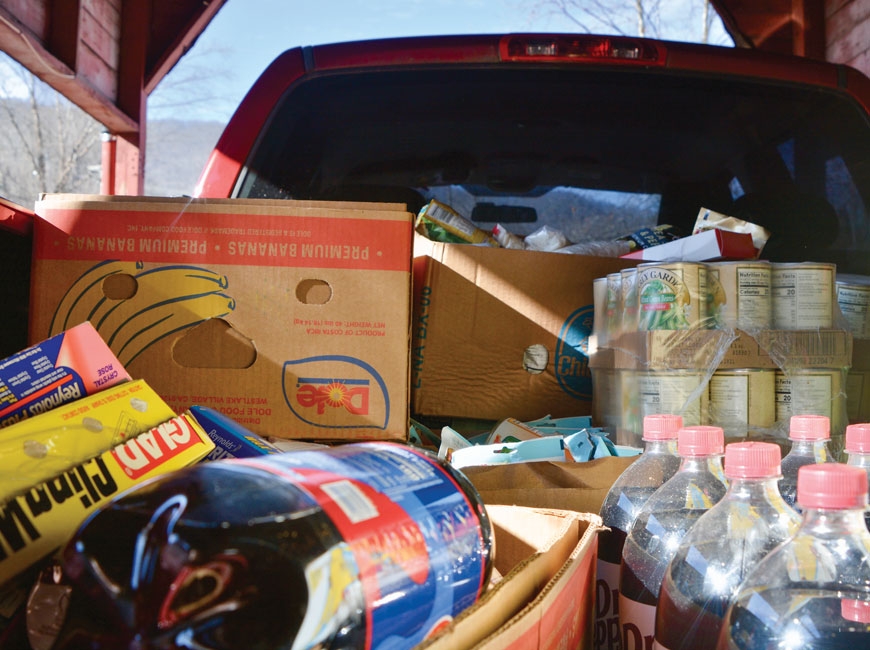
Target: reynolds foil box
<point>60,369</point>
<point>37,522</point>
<point>40,447</point>
<point>231,439</point>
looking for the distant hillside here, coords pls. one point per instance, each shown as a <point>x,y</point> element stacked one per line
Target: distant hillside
<point>175,154</point>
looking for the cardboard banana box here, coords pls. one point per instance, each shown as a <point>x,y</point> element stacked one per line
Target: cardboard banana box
<point>40,447</point>
<point>37,522</point>
<point>290,317</point>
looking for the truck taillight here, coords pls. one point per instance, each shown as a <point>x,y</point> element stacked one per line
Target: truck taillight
<point>617,49</point>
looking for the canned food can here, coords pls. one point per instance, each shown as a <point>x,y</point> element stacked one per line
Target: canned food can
<point>803,295</point>
<point>812,391</point>
<point>740,295</point>
<point>742,400</point>
<point>629,430</point>
<point>858,396</point>
<point>614,306</point>
<point>599,311</point>
<point>615,405</point>
<point>629,299</point>
<point>672,295</point>
<point>853,298</point>
<point>682,392</point>
<point>606,398</point>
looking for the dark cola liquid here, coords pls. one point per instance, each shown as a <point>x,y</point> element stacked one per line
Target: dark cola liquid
<point>652,542</point>
<point>685,626</point>
<point>610,545</point>
<point>632,587</point>
<point>813,622</point>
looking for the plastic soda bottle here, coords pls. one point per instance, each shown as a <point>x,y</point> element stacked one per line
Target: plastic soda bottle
<point>813,590</point>
<point>726,541</point>
<point>857,449</point>
<point>810,436</point>
<point>660,526</point>
<point>364,545</point>
<point>629,492</point>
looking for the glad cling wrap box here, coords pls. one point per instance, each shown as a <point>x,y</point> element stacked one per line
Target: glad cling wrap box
<point>37,448</point>
<point>290,317</point>
<point>37,522</point>
<point>63,368</point>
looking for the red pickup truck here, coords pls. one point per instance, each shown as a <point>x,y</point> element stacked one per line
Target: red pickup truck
<point>596,136</point>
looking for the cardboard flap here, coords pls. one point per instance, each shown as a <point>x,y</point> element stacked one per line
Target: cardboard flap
<point>560,615</point>
<point>545,540</point>
<point>574,486</point>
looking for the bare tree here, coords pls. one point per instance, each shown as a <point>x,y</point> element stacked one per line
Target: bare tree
<point>49,144</point>
<point>688,20</point>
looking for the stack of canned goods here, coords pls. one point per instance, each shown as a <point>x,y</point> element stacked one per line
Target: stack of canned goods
<point>752,296</point>
<point>749,295</point>
<point>853,299</point>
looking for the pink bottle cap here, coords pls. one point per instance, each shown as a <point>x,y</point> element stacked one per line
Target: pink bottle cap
<point>855,610</point>
<point>700,441</point>
<point>661,426</point>
<point>858,438</point>
<point>831,485</point>
<point>752,460</point>
<point>809,427</point>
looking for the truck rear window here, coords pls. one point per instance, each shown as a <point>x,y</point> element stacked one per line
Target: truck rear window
<point>595,153</point>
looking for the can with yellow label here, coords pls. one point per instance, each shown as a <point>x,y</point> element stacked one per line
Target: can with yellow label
<point>853,298</point>
<point>742,401</point>
<point>812,391</point>
<point>672,296</point>
<point>803,295</point>
<point>680,392</point>
<point>740,295</point>
<point>629,299</point>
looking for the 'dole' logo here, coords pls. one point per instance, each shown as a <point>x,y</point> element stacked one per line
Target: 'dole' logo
<point>335,391</point>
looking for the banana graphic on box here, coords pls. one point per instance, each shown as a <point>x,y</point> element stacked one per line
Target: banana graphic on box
<point>87,291</point>
<point>157,303</point>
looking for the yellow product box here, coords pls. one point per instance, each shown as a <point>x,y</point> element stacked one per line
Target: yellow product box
<point>37,522</point>
<point>40,447</point>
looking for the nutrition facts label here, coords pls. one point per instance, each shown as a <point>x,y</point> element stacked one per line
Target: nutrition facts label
<point>673,391</point>
<point>801,392</point>
<point>803,296</point>
<point>854,301</point>
<point>740,294</point>
<point>742,399</point>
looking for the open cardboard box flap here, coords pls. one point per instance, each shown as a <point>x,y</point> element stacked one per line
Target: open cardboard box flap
<point>546,554</point>
<point>562,485</point>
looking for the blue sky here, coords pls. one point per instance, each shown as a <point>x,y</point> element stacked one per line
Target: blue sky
<point>247,34</point>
